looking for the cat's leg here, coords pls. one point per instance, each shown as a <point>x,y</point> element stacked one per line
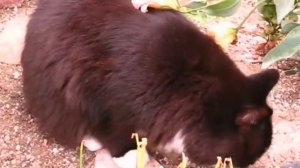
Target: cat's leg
<point>105,160</point>
<point>91,143</point>
<point>129,160</point>
<point>103,157</point>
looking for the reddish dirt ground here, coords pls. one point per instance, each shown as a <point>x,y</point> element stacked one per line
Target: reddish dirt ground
<point>22,145</point>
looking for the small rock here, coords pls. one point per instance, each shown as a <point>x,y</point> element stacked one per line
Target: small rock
<point>6,138</point>
<point>28,157</point>
<point>16,75</point>
<point>45,142</point>
<point>28,140</point>
<point>55,150</point>
<point>16,128</point>
<point>66,161</point>
<point>73,159</point>
<point>12,39</point>
<point>18,147</point>
<point>13,162</point>
<point>22,157</point>
<point>35,164</point>
<point>24,164</point>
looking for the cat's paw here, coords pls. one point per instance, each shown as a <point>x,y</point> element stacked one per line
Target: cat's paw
<point>91,143</point>
<point>104,160</point>
<point>129,160</point>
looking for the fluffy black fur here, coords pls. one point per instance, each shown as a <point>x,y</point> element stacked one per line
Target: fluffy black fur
<point>102,67</point>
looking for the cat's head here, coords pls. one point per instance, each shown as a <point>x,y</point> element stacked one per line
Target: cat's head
<point>236,122</point>
<point>233,120</point>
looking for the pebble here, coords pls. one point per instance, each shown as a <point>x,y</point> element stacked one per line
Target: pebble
<point>6,138</point>
<point>28,140</point>
<point>55,150</point>
<point>35,164</point>
<point>24,164</point>
<point>13,162</point>
<point>45,142</point>
<point>29,157</point>
<point>66,161</point>
<point>18,147</point>
<point>73,159</point>
<point>16,128</point>
<point>16,75</point>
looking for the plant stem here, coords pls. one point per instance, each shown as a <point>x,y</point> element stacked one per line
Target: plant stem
<point>81,155</point>
<point>178,4</point>
<point>249,14</point>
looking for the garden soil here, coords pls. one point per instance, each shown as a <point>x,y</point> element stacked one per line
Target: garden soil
<point>22,145</point>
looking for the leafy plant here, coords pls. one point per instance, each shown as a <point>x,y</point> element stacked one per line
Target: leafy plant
<point>199,9</point>
<point>286,49</point>
<point>282,17</point>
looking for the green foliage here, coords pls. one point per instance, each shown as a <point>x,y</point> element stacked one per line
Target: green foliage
<point>286,49</point>
<point>287,26</point>
<point>283,7</point>
<point>223,8</point>
<point>282,17</point>
<point>196,4</point>
<point>278,14</point>
<point>200,10</point>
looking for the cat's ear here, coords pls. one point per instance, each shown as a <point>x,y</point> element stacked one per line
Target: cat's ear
<point>263,82</point>
<point>260,86</point>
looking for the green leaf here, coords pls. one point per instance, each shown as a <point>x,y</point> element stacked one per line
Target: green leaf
<point>269,13</point>
<point>265,1</point>
<point>297,11</point>
<point>283,7</point>
<point>223,8</point>
<point>196,4</point>
<point>286,49</point>
<point>291,17</point>
<point>198,17</point>
<point>287,26</point>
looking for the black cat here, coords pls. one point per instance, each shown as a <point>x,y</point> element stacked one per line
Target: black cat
<point>101,68</point>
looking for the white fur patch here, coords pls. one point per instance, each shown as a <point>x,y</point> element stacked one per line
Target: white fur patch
<point>92,143</point>
<point>176,144</point>
<point>104,160</point>
<point>129,160</point>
